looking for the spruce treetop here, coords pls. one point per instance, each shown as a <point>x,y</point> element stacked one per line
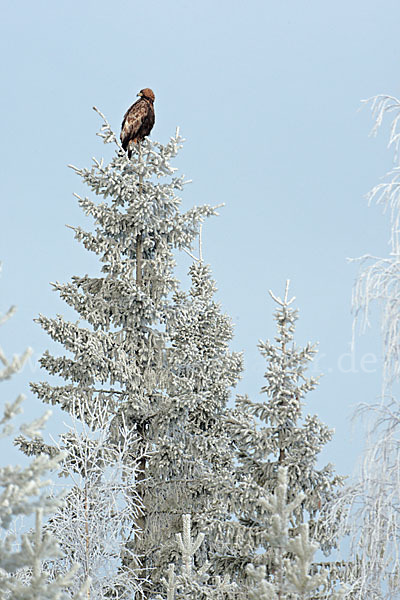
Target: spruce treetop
<point>272,434</point>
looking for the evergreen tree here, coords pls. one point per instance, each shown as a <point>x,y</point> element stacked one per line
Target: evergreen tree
<point>191,582</point>
<point>274,434</point>
<point>203,370</point>
<point>157,359</point>
<point>294,577</point>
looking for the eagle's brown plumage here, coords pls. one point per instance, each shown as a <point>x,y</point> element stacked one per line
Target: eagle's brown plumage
<point>138,120</point>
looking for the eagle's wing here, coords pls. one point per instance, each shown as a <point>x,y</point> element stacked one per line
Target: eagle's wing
<point>132,122</point>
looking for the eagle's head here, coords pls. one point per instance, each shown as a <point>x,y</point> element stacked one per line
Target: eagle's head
<point>148,94</point>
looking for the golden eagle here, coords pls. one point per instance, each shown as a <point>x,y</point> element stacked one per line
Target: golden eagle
<point>138,120</point>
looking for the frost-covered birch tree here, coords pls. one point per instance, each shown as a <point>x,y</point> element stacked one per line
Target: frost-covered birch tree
<point>273,433</point>
<point>23,493</point>
<point>154,358</point>
<point>100,508</point>
<point>374,523</point>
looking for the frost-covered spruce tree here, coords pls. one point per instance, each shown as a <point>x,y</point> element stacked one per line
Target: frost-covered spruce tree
<point>193,582</point>
<point>24,492</point>
<point>294,577</point>
<point>203,371</point>
<point>273,433</point>
<point>125,350</point>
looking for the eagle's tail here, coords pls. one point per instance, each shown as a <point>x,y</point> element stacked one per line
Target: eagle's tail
<point>126,146</point>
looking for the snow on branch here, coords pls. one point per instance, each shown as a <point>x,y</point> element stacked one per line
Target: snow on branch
<point>285,301</point>
<point>106,133</point>
<point>380,106</point>
<point>379,279</point>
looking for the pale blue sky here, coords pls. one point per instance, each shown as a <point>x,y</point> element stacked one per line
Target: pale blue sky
<point>267,95</point>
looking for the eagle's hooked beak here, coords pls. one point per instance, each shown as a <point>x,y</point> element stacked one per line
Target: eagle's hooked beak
<point>140,94</point>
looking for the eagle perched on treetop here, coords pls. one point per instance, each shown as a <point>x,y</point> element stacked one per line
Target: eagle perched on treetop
<point>138,120</point>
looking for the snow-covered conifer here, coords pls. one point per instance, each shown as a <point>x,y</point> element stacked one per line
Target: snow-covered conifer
<point>158,360</point>
<point>271,434</point>
<point>294,576</point>
<point>191,582</point>
<point>203,371</point>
